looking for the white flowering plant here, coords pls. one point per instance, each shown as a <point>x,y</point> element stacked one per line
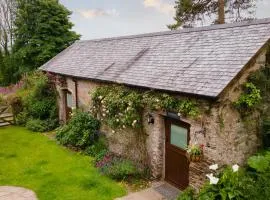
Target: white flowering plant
<point>122,107</point>
<point>231,183</point>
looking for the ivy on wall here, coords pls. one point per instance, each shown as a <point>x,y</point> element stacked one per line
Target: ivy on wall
<point>256,98</point>
<point>250,97</point>
<point>122,107</point>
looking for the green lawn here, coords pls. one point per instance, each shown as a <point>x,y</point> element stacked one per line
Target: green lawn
<point>33,161</point>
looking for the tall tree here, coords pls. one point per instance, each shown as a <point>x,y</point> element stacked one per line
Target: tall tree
<point>42,30</point>
<point>190,13</point>
<point>7,16</point>
<point>8,71</point>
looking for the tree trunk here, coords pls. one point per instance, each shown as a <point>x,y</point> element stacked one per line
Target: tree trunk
<point>221,12</point>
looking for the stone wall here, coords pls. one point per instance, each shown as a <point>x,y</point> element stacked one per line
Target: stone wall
<point>228,139</point>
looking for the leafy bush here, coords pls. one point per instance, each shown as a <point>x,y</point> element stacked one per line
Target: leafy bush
<point>250,183</point>
<point>260,172</point>
<point>231,185</point>
<point>35,104</point>
<point>98,149</point>
<point>117,168</point>
<point>121,169</point>
<point>21,119</point>
<point>80,132</point>
<point>38,125</point>
<point>15,101</point>
<point>188,194</point>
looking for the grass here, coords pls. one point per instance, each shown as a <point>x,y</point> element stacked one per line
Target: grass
<point>33,161</point>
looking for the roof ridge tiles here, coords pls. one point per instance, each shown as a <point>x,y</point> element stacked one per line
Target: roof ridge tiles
<point>186,30</point>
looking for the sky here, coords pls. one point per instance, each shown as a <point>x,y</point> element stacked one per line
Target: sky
<point>108,18</point>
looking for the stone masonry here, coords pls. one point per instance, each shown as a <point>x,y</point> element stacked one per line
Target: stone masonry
<point>226,137</point>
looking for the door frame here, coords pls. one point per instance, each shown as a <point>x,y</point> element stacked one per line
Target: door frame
<point>168,122</point>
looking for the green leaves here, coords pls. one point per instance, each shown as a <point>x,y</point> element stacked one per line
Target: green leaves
<point>121,107</point>
<point>261,163</point>
<point>250,98</point>
<point>42,30</point>
<point>193,12</point>
<point>80,132</point>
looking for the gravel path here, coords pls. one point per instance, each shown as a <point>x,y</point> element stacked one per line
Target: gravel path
<point>16,193</point>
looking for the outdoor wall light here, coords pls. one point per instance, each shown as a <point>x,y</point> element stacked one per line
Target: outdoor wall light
<point>150,119</point>
<point>174,115</point>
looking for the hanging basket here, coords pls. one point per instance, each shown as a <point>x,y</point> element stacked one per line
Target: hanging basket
<point>196,158</point>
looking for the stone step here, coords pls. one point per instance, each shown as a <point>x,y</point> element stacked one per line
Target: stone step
<point>4,124</point>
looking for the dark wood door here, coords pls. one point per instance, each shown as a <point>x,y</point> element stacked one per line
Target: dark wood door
<point>176,160</point>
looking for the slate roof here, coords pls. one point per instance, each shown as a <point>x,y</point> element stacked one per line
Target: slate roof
<point>199,61</point>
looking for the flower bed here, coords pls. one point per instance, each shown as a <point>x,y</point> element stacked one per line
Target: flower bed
<point>11,89</point>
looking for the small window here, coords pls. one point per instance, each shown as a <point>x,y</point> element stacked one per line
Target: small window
<point>179,136</point>
<point>69,100</point>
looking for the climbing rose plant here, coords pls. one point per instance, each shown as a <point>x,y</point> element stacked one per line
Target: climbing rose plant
<point>122,107</point>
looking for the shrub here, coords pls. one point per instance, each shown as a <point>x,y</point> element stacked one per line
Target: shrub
<point>252,183</point>
<point>21,118</point>
<point>80,132</point>
<point>260,172</point>
<point>231,185</point>
<point>38,125</point>
<point>35,104</point>
<point>117,168</point>
<point>121,170</point>
<point>15,101</point>
<point>188,194</point>
<point>98,149</point>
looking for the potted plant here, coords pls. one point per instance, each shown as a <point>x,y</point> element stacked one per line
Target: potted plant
<point>195,152</point>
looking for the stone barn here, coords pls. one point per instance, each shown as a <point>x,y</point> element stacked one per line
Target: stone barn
<point>208,65</point>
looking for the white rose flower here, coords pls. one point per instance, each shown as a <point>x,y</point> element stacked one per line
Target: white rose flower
<point>104,115</point>
<point>235,168</point>
<point>157,100</point>
<point>117,120</point>
<point>113,131</point>
<point>100,97</point>
<point>213,167</point>
<point>213,180</point>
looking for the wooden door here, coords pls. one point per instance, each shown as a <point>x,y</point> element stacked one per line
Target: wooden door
<point>176,161</point>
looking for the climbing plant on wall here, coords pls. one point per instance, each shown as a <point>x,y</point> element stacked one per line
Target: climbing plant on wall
<point>122,107</point>
<point>256,98</point>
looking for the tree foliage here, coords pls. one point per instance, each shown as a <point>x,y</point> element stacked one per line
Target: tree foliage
<point>7,16</point>
<point>190,13</point>
<point>31,33</point>
<point>42,30</point>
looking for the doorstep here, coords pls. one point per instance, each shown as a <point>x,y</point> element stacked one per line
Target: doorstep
<point>159,191</point>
